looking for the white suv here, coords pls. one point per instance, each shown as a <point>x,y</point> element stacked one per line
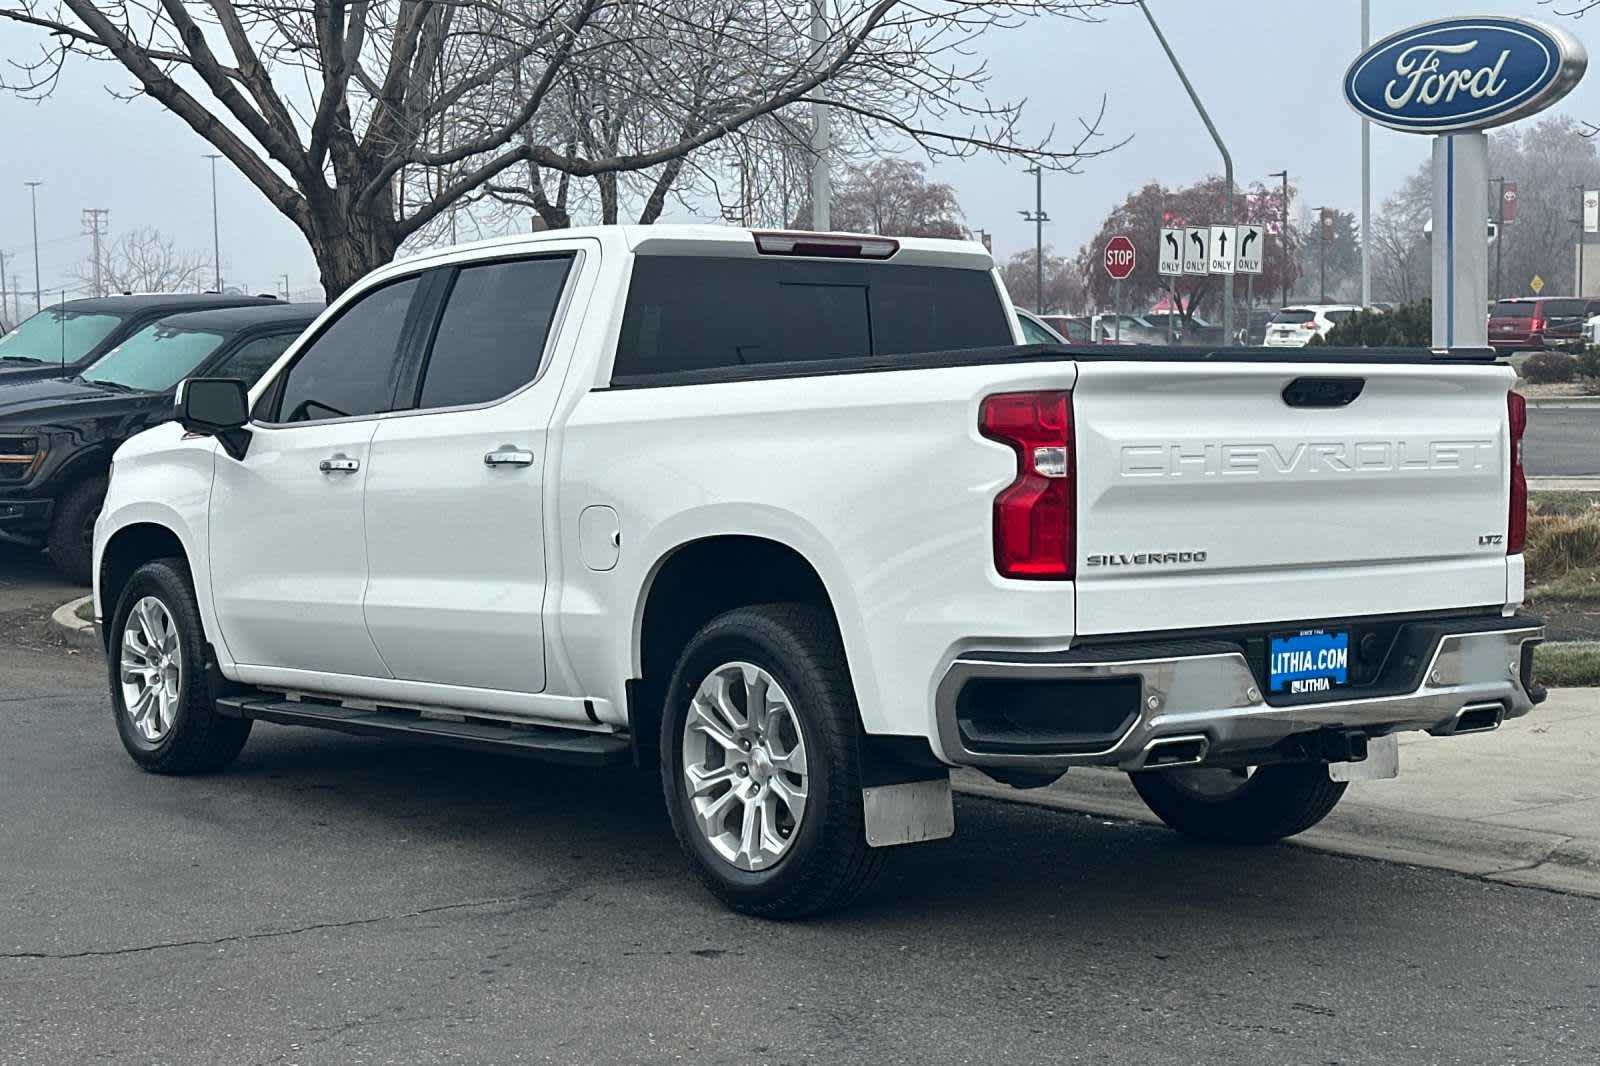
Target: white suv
<point>1293,327</point>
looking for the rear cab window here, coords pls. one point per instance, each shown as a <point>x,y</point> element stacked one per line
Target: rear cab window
<point>698,313</point>
<point>1572,308</point>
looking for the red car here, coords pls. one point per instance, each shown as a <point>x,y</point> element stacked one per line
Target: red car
<point>1531,323</point>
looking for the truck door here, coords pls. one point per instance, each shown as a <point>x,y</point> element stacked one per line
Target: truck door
<point>455,495</point>
<point>288,543</point>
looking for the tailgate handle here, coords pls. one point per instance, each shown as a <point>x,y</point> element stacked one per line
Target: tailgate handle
<point>1323,392</point>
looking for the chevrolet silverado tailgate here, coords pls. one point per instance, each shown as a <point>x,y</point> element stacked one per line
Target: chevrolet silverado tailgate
<point>1217,494</point>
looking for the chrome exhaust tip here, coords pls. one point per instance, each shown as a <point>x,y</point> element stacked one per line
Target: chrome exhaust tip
<point>1473,718</point>
<point>1166,752</point>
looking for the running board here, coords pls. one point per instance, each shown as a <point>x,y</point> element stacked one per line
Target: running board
<point>571,746</point>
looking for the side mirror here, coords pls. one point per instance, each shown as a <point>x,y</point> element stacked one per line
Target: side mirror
<point>216,407</point>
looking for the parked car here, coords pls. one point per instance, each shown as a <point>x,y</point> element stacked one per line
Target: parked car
<point>1077,329</point>
<point>1293,327</point>
<point>794,518</point>
<point>1035,331</point>
<point>1539,323</point>
<point>1134,329</point>
<point>57,435</point>
<point>65,338</point>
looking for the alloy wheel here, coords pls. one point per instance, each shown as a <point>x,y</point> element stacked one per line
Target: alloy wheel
<point>151,669</point>
<point>744,766</point>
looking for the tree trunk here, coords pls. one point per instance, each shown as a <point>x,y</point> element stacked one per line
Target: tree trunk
<point>349,244</point>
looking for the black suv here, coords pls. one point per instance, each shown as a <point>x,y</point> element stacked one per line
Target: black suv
<point>57,436</point>
<point>65,338</point>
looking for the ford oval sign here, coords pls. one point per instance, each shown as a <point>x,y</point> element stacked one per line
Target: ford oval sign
<point>1463,74</point>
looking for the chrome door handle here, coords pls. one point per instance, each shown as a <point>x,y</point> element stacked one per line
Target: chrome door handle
<point>506,455</point>
<point>339,464</point>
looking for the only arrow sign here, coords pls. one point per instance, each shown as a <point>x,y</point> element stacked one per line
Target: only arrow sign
<point>1199,242</point>
<point>1249,238</point>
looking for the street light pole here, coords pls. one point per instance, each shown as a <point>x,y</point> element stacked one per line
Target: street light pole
<point>1227,160</point>
<point>1038,218</point>
<point>1581,222</point>
<point>38,289</point>
<point>821,133</point>
<point>216,239</point>
<point>1283,237</point>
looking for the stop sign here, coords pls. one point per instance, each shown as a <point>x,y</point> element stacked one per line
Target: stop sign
<point>1119,257</point>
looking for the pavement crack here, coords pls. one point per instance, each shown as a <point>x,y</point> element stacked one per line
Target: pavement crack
<point>549,897</point>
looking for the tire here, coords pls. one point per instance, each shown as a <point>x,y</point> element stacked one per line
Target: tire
<point>822,860</point>
<point>1272,803</point>
<point>71,536</point>
<point>189,736</point>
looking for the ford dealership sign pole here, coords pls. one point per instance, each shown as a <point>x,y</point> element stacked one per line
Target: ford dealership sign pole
<point>1456,78</point>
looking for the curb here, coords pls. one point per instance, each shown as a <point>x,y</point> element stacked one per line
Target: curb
<point>74,630</point>
<point>1505,855</point>
<point>1577,483</point>
<point>1564,403</point>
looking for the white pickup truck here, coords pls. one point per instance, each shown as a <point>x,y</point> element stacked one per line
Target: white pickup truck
<point>799,518</point>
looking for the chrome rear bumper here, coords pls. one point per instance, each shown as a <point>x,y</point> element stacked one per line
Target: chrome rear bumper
<point>1200,702</point>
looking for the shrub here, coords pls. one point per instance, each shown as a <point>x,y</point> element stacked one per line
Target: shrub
<point>1549,368</point>
<point>1589,363</point>
<point>1407,326</point>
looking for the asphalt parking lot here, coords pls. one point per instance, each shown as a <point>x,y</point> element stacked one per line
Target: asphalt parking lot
<point>338,900</point>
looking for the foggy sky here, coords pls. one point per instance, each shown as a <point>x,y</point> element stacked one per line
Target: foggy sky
<point>1269,70</point>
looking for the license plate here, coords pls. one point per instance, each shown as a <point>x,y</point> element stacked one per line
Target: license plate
<point>1310,661</point>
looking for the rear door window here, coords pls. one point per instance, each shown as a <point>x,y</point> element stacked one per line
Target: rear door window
<point>1511,309</point>
<point>492,335</point>
<point>704,313</point>
<point>353,366</point>
<point>1288,317</point>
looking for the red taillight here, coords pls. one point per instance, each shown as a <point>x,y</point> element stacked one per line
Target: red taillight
<point>1035,516</point>
<point>1535,325</point>
<point>1517,518</point>
<point>1308,325</point>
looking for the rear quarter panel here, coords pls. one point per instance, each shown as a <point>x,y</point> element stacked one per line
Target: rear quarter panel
<point>880,480</point>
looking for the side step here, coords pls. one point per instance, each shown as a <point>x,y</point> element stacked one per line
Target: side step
<point>571,746</point>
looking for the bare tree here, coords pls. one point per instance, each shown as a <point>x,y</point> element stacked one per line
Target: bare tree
<point>894,196</point>
<point>1065,290</point>
<point>145,260</point>
<point>1402,258</point>
<point>364,121</point>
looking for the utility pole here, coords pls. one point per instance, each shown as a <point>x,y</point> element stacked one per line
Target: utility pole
<point>1366,173</point>
<point>38,288</point>
<point>1499,229</point>
<point>2,286</point>
<point>1227,160</point>
<point>1322,238</point>
<point>1581,221</point>
<point>216,233</point>
<point>821,134</point>
<point>285,288</point>
<point>95,222</point>
<point>1283,237</point>
<point>1038,218</point>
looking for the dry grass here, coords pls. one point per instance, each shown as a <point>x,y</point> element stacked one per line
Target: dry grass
<point>1571,664</point>
<point>1563,539</point>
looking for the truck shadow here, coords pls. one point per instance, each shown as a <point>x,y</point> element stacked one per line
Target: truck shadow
<point>1033,864</point>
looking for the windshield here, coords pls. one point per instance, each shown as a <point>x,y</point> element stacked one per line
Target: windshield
<point>57,334</point>
<point>1033,333</point>
<point>154,359</point>
<point>1291,317</point>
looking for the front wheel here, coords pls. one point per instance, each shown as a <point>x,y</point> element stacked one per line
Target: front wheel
<point>1247,805</point>
<point>160,695</point>
<point>759,763</point>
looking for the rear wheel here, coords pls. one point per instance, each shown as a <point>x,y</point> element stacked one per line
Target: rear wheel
<point>71,536</point>
<point>165,712</point>
<point>760,766</point>
<point>1248,805</point>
